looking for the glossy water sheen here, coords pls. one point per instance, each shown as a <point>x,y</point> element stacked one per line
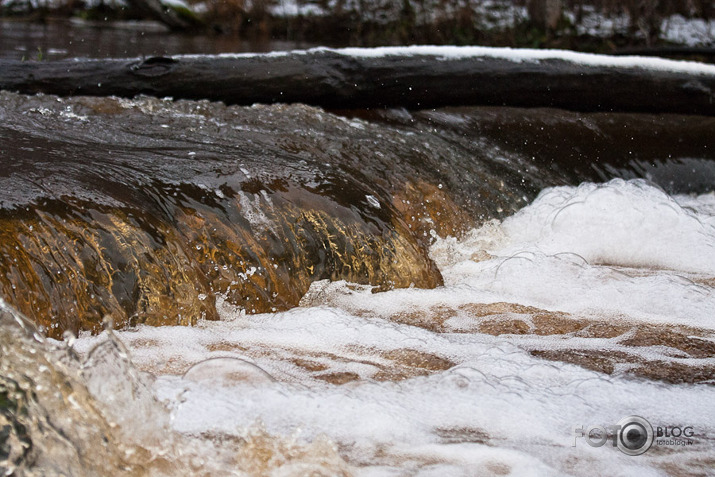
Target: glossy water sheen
<point>509,310</point>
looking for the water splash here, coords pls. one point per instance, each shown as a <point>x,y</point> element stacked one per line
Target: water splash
<point>51,422</point>
<point>148,210</point>
<point>98,415</point>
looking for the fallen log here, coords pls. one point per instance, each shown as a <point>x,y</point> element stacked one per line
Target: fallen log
<point>707,54</point>
<point>410,77</point>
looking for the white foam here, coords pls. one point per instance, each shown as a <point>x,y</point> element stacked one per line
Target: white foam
<point>499,408</point>
<point>565,283</point>
<point>520,410</point>
<point>618,223</point>
<point>624,248</point>
<point>703,204</point>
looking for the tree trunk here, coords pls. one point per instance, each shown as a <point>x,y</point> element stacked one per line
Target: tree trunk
<point>168,16</point>
<point>335,79</point>
<point>545,13</point>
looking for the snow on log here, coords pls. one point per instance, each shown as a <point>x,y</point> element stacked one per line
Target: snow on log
<point>410,77</point>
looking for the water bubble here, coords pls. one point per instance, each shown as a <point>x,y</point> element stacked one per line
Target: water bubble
<point>228,372</point>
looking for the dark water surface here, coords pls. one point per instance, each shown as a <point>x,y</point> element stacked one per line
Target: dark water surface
<point>69,39</point>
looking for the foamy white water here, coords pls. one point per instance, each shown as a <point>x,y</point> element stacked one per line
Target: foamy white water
<point>563,315</point>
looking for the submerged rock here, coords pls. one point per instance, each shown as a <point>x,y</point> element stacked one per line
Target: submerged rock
<point>147,210</point>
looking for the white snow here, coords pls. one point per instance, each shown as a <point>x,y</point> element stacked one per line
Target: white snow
<point>517,55</point>
<point>293,8</point>
<point>531,55</point>
<point>675,28</point>
<point>689,31</point>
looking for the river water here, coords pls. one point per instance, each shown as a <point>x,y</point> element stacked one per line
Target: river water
<point>60,38</point>
<point>296,291</point>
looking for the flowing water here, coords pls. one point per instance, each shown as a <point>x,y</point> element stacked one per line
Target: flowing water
<point>380,292</point>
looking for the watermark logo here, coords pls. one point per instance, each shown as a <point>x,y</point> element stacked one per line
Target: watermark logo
<point>674,436</point>
<point>633,435</point>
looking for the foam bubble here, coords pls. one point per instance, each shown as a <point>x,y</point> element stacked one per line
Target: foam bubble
<point>627,223</point>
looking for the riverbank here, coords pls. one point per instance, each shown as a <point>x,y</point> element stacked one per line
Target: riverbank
<point>585,27</point>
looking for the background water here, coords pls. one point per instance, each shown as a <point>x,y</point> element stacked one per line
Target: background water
<point>63,39</point>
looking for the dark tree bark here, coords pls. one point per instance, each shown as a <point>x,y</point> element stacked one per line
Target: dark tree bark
<point>705,54</point>
<point>333,80</point>
<point>545,13</point>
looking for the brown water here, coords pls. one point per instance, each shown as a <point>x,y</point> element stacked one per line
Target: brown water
<point>148,210</point>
